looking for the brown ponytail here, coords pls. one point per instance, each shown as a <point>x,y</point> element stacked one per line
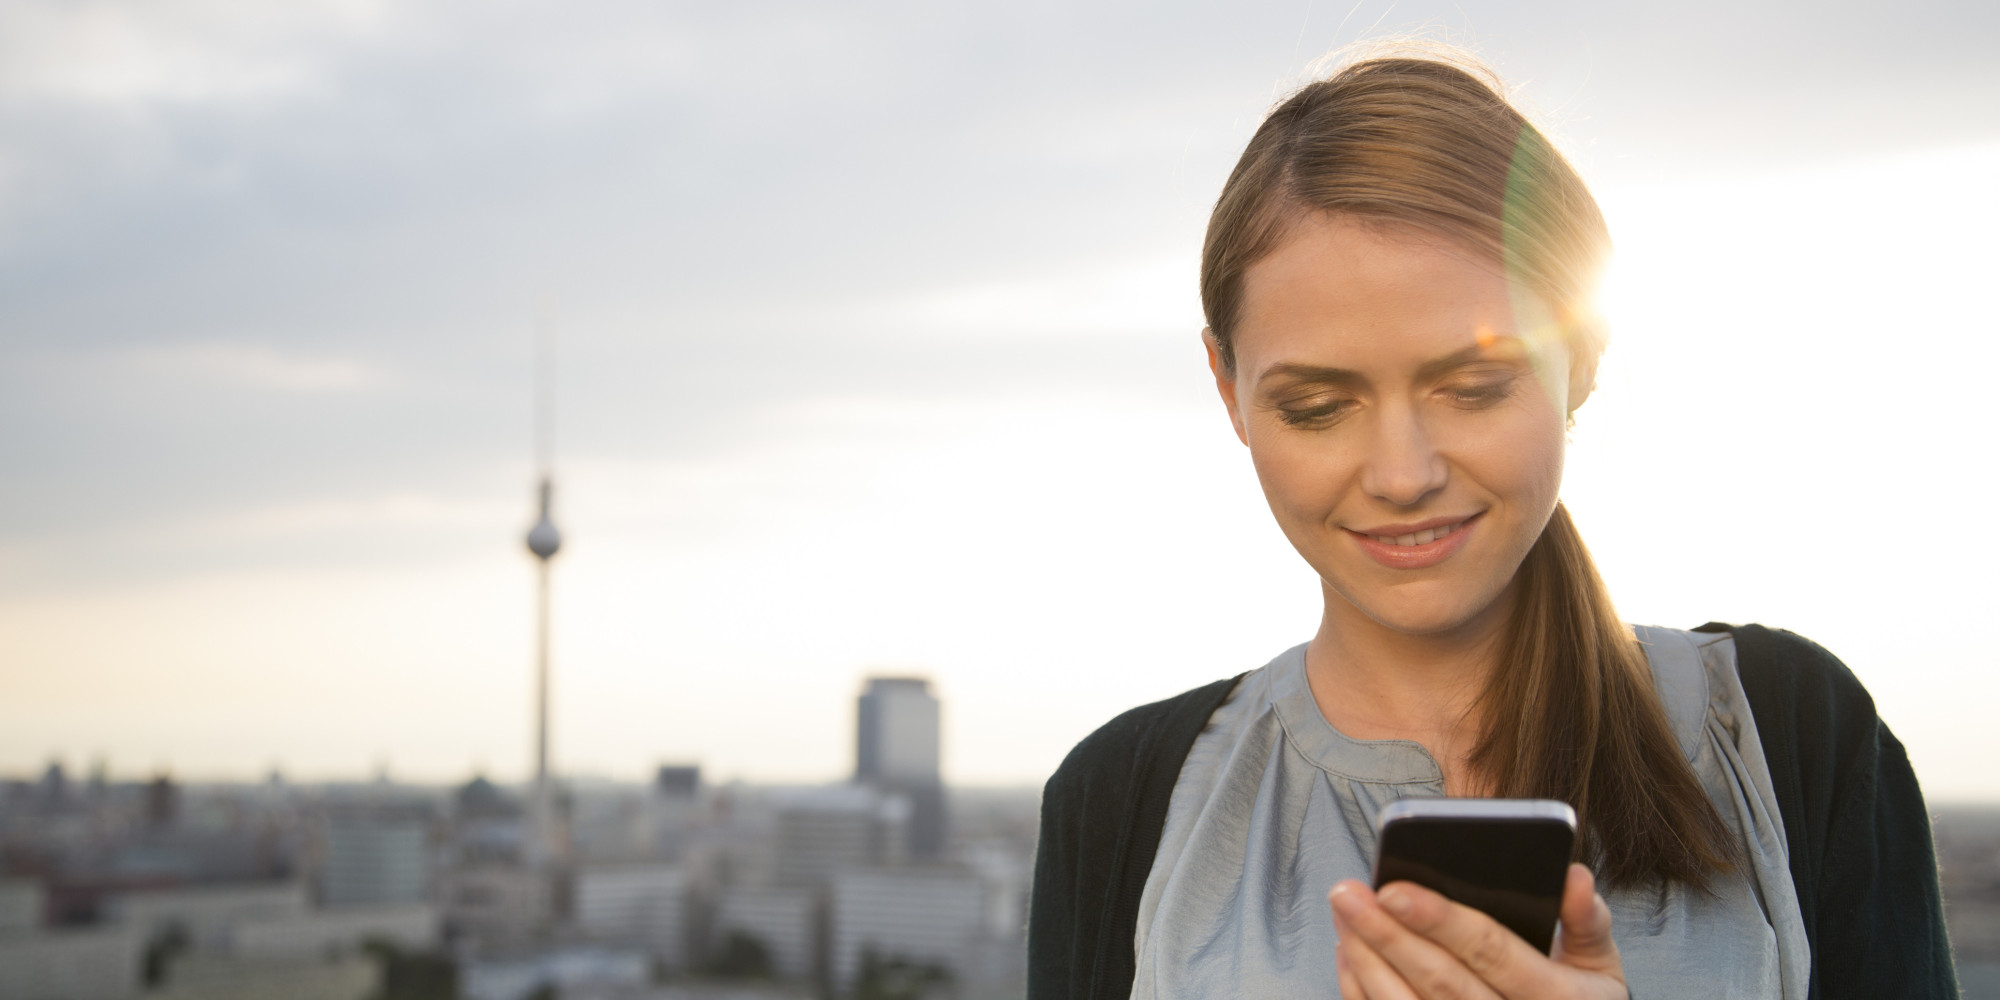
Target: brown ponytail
<point>1576,717</point>
<point>1423,143</point>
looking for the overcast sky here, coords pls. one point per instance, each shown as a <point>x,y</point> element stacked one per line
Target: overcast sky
<point>876,338</point>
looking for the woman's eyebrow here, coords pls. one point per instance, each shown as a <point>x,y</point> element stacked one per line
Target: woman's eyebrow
<point>1490,347</point>
<point>1311,374</point>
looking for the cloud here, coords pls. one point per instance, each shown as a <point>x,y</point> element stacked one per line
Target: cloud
<point>276,251</point>
<point>104,52</point>
<point>1145,297</point>
<point>253,366</point>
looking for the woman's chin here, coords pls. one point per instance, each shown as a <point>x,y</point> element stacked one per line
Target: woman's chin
<point>1432,618</point>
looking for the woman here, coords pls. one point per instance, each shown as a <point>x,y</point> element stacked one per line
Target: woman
<point>1397,280</point>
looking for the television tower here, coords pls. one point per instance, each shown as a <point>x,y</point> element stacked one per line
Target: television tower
<point>543,542</point>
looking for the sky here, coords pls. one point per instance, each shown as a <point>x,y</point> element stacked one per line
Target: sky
<point>876,350</point>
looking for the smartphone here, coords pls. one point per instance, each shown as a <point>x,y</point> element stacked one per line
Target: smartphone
<point>1507,858</point>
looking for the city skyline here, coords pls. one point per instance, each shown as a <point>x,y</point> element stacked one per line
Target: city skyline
<point>668,889</point>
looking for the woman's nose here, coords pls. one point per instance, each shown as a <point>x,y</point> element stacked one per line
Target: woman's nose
<point>1402,467</point>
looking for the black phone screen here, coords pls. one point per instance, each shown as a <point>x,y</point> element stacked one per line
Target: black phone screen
<point>1511,869</point>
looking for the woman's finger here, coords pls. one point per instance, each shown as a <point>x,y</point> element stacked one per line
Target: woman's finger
<point>1374,978</point>
<point>1350,987</point>
<point>1496,956</point>
<point>1388,950</point>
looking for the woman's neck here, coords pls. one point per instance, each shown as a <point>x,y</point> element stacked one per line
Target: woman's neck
<point>1375,683</point>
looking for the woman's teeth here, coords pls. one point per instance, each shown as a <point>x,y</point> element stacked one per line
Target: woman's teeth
<point>1423,537</point>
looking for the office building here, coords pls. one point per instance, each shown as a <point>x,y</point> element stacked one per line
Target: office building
<point>495,905</point>
<point>21,904</point>
<point>411,926</point>
<point>896,750</point>
<point>896,739</point>
<point>821,831</point>
<point>342,975</point>
<point>782,920</point>
<point>373,859</point>
<point>208,917</point>
<point>100,963</point>
<point>643,906</point>
<point>673,810</point>
<point>927,915</point>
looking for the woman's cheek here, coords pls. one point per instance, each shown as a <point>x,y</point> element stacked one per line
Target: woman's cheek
<point>1303,481</point>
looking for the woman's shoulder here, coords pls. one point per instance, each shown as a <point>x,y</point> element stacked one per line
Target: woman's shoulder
<point>1822,741</point>
<point>1795,684</point>
<point>1118,750</point>
<point>1856,828</point>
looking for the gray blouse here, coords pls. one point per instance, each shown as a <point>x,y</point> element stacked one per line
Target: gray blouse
<point>1274,805</point>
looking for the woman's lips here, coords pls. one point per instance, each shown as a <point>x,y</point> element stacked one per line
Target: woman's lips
<point>1417,547</point>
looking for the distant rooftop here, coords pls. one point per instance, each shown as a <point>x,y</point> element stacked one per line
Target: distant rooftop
<point>919,684</point>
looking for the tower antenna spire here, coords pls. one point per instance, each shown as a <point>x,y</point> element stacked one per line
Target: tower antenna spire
<point>543,543</point>
<point>545,395</point>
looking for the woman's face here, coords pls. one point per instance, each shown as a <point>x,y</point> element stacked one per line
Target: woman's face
<point>1406,416</point>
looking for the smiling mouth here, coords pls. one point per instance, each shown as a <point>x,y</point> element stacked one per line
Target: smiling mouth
<point>1429,545</point>
<point>1424,537</point>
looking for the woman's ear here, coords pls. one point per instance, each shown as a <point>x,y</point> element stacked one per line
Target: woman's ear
<point>1582,373</point>
<point>1585,341</point>
<point>1225,383</point>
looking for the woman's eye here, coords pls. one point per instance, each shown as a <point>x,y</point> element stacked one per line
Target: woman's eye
<point>1313,414</point>
<point>1476,394</point>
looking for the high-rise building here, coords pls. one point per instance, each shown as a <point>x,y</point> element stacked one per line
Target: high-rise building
<point>677,780</point>
<point>821,831</point>
<point>784,921</point>
<point>673,809</point>
<point>93,963</point>
<point>639,905</point>
<point>897,736</point>
<point>376,858</point>
<point>163,802</point>
<point>206,917</point>
<point>896,750</point>
<point>927,915</point>
<point>21,903</point>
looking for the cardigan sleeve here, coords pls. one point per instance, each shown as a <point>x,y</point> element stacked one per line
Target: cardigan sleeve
<point>1101,819</point>
<point>1064,892</point>
<point>1859,836</point>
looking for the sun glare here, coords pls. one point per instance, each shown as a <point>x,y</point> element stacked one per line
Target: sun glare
<point>1773,365</point>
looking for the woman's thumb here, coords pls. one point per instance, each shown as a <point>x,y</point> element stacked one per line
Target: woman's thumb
<point>1585,940</point>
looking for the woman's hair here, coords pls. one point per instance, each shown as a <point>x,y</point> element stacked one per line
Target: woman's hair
<point>1418,143</point>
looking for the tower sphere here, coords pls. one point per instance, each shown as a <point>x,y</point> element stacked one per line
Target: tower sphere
<point>543,539</point>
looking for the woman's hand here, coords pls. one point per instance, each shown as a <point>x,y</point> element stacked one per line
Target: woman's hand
<point>1409,943</point>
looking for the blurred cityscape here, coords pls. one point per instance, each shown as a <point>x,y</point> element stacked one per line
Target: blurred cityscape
<point>1968,845</point>
<point>887,885</point>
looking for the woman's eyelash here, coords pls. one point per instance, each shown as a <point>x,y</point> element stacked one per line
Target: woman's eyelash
<point>1302,415</point>
<point>1482,392</point>
<point>1308,412</point>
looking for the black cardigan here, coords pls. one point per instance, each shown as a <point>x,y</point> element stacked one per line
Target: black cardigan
<point>1855,825</point>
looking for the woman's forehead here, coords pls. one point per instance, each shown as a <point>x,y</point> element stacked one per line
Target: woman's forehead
<point>1341,292</point>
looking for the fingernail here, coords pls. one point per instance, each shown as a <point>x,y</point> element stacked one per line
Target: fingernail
<point>1343,897</point>
<point>1394,900</point>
